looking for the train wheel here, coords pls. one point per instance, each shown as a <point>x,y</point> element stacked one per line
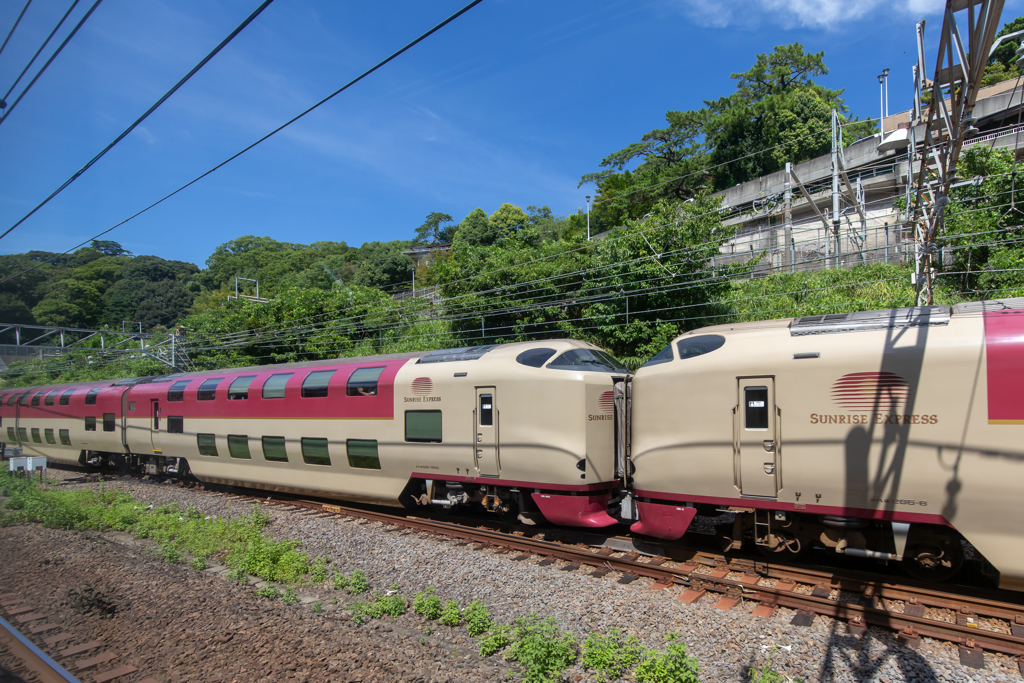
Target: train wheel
<point>933,555</point>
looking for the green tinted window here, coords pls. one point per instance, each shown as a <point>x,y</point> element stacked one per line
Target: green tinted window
<point>274,386</point>
<point>108,422</point>
<point>175,424</point>
<point>23,434</point>
<point>423,426</point>
<point>65,437</point>
<point>35,435</point>
<point>207,444</point>
<point>274,449</point>
<point>239,389</point>
<point>11,436</point>
<point>48,435</point>
<point>238,446</point>
<point>90,424</point>
<point>362,453</point>
<point>315,384</point>
<point>314,451</point>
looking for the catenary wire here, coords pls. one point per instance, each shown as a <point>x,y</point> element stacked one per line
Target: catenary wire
<point>39,51</point>
<point>16,22</point>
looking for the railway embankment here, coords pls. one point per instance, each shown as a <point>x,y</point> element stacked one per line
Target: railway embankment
<point>176,621</point>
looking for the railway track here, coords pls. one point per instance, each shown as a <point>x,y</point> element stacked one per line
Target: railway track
<point>23,661</point>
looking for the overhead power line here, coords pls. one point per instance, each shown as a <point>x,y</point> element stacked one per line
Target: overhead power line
<point>41,48</point>
<point>16,22</point>
<point>138,121</point>
<point>277,130</point>
<point>50,60</point>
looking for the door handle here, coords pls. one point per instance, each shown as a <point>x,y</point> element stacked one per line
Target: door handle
<point>769,446</point>
<point>769,468</point>
<point>479,452</point>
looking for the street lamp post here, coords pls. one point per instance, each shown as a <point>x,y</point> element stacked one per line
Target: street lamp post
<point>883,97</point>
<point>588,217</point>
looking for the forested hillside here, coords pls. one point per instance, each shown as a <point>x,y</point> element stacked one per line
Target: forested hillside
<point>510,273</point>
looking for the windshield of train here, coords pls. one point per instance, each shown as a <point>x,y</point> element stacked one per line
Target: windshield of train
<point>590,360</point>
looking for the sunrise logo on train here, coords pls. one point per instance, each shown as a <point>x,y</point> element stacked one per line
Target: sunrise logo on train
<point>422,386</point>
<point>880,392</point>
<point>607,402</point>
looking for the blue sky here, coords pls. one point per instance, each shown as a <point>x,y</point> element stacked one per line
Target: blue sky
<point>511,103</point>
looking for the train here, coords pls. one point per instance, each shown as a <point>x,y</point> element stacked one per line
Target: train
<point>890,435</point>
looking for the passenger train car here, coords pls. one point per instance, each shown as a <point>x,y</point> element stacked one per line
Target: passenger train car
<point>884,434</point>
<point>523,429</point>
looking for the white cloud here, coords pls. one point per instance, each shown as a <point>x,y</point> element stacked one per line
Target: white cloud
<point>827,14</point>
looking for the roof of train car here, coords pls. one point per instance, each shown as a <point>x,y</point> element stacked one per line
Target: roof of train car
<point>273,366</point>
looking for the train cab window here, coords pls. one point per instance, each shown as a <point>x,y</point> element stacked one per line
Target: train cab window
<point>589,360</point>
<point>65,398</point>
<point>238,446</point>
<point>12,400</point>
<point>362,454</point>
<point>90,398</point>
<point>48,435</point>
<point>108,422</point>
<point>663,356</point>
<point>755,407</point>
<point>90,424</point>
<point>208,389</point>
<point>177,391</point>
<point>691,347</point>
<point>423,426</point>
<point>35,398</point>
<point>275,384</point>
<point>535,358</point>
<point>486,410</point>
<point>274,449</point>
<point>23,434</point>
<point>35,435</point>
<point>315,384</point>
<point>65,436</point>
<point>23,401</point>
<point>239,388</point>
<point>50,396</point>
<point>175,424</point>
<point>11,436</point>
<point>207,444</point>
<point>363,382</point>
<point>314,451</point>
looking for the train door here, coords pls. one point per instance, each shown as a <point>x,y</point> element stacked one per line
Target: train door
<point>485,421</point>
<point>758,437</point>
<point>124,421</point>
<point>154,434</point>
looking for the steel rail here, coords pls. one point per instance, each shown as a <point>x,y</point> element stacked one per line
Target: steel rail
<point>35,660</point>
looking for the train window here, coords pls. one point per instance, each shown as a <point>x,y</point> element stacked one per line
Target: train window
<point>315,384</point>
<point>65,437</point>
<point>35,398</point>
<point>239,389</point>
<point>48,435</point>
<point>275,384</point>
<point>65,398</point>
<point>50,396</point>
<point>177,391</point>
<point>90,398</point>
<point>207,444</point>
<point>108,422</point>
<point>238,446</point>
<point>486,410</point>
<point>755,407</point>
<point>22,434</point>
<point>23,401</point>
<point>11,399</point>
<point>362,454</point>
<point>131,405</point>
<point>314,451</point>
<point>363,382</point>
<point>423,426</point>
<point>698,346</point>
<point>90,424</point>
<point>274,449</point>
<point>535,358</point>
<point>11,436</point>
<point>208,389</point>
<point>35,435</point>
<point>175,424</point>
<point>663,356</point>
<point>591,360</point>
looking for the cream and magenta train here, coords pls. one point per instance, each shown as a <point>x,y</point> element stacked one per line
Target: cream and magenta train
<point>880,434</point>
<point>522,428</point>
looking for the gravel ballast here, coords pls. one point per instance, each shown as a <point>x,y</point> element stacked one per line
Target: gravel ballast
<point>172,614</point>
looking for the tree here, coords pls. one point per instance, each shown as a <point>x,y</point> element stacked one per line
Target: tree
<point>436,229</point>
<point>109,248</point>
<point>69,303</point>
<point>382,265</point>
<point>506,220</point>
<point>474,230</point>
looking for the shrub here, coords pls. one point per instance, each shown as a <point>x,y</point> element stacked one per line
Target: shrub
<point>611,654</point>
<point>269,592</point>
<point>543,650</point>
<point>318,572</point>
<point>671,666</point>
<point>427,605</point>
<point>340,581</point>
<point>289,597</point>
<point>478,620</point>
<point>451,615</point>
<point>359,583</point>
<point>383,604</point>
<point>498,638</point>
